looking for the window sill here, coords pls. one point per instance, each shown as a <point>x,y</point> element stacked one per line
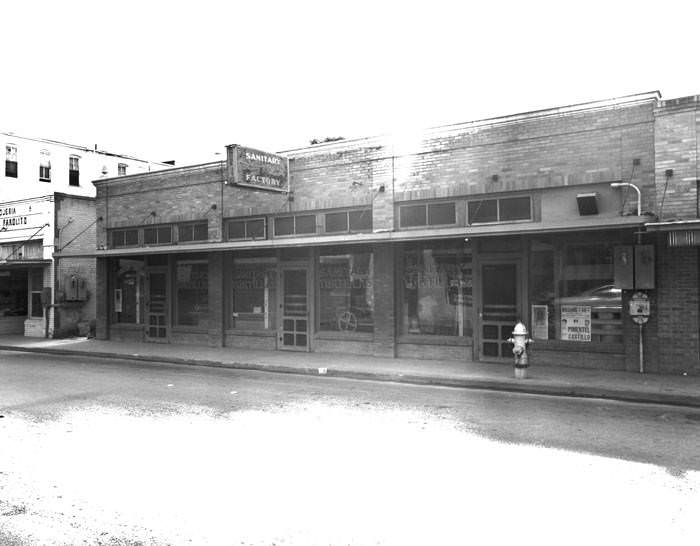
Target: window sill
<point>426,339</point>
<point>578,346</point>
<point>258,333</point>
<point>342,336</point>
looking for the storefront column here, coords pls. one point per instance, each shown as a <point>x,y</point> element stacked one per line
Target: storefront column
<point>101,298</point>
<point>384,301</point>
<point>216,299</point>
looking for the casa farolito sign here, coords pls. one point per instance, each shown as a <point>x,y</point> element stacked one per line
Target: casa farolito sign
<point>256,169</point>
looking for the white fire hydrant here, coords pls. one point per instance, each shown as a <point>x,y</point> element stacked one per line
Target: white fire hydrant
<point>520,340</point>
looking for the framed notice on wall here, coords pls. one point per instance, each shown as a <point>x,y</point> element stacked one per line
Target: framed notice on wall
<point>576,322</point>
<point>540,322</point>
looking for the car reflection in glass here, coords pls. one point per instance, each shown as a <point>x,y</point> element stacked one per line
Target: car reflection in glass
<point>607,296</point>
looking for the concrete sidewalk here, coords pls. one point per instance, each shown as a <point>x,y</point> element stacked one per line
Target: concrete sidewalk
<point>552,380</point>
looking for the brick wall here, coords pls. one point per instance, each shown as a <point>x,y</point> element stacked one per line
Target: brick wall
<point>75,235</point>
<point>676,145</point>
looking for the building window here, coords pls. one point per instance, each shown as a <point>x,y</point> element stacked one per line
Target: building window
<point>73,170</point>
<point>124,237</point>
<point>295,225</point>
<point>157,235</point>
<point>197,231</point>
<point>127,302</point>
<point>254,293</point>
<point>246,229</point>
<point>45,166</point>
<point>121,169</point>
<point>36,282</point>
<point>437,290</point>
<point>507,209</point>
<point>427,214</point>
<point>346,291</point>
<point>349,221</point>
<point>11,161</point>
<point>13,293</point>
<point>192,293</point>
<point>573,293</point>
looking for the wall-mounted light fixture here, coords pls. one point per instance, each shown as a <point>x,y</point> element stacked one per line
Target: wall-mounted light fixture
<point>630,185</point>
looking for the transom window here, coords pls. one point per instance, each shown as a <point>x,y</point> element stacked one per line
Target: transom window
<point>507,209</point>
<point>11,160</point>
<point>295,225</point>
<point>197,231</point>
<point>125,237</point>
<point>427,214</point>
<point>157,235</point>
<point>349,220</point>
<point>253,228</point>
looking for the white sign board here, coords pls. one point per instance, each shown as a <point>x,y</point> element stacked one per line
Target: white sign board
<point>576,322</point>
<point>540,322</point>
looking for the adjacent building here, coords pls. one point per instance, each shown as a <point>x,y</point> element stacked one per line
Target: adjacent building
<point>427,245</point>
<point>46,206</point>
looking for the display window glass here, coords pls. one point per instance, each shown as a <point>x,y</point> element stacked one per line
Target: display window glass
<point>36,277</point>
<point>127,299</point>
<point>253,293</point>
<point>573,295</point>
<point>13,293</point>
<point>436,288</point>
<point>192,293</point>
<point>346,291</point>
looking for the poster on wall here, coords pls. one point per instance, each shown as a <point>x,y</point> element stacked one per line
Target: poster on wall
<point>576,322</point>
<point>540,322</point>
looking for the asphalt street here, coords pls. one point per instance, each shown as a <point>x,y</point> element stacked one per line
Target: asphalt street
<point>120,452</point>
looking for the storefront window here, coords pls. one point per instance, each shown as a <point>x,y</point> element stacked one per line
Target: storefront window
<point>346,292</point>
<point>254,293</point>
<point>37,285</point>
<point>437,290</point>
<point>192,293</point>
<point>127,299</point>
<point>542,320</point>
<point>573,296</point>
<point>589,305</point>
<point>13,293</point>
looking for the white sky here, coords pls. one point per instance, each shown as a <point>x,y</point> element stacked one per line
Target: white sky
<point>180,80</point>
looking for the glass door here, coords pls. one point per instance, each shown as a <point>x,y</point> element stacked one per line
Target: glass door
<point>157,306</point>
<point>499,309</point>
<point>294,333</point>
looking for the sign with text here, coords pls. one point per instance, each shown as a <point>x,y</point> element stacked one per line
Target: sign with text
<point>540,322</point>
<point>576,322</point>
<point>256,169</point>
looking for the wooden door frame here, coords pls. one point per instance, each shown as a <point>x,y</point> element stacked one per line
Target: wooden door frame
<point>310,300</point>
<point>520,263</point>
<point>164,269</point>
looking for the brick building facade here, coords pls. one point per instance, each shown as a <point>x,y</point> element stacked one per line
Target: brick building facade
<point>428,245</point>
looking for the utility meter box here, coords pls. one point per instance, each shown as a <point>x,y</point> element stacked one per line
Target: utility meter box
<point>75,288</point>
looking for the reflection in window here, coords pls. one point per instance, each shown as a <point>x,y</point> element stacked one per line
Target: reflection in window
<point>253,294</point>
<point>11,160</point>
<point>192,293</point>
<point>127,299</point>
<point>541,266</point>
<point>346,289</point>
<point>589,305</point>
<point>45,166</point>
<point>13,293</point>
<point>437,290</point>
<point>37,284</point>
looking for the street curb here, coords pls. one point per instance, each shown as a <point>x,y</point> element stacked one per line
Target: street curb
<point>527,386</point>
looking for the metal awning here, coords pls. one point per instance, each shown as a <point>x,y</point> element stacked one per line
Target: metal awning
<point>384,236</point>
<point>4,264</point>
<point>679,233</point>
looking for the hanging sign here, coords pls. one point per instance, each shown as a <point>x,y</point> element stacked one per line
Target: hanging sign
<point>576,322</point>
<point>256,169</point>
